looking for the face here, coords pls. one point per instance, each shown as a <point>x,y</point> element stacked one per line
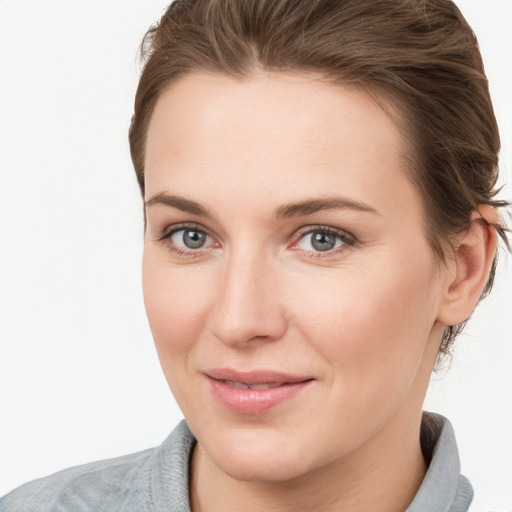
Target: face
<point>289,285</point>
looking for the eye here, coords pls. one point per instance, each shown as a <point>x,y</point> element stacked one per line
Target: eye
<point>323,239</point>
<point>189,238</point>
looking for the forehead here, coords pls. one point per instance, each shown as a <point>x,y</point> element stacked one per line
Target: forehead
<point>271,105</point>
<point>279,134</point>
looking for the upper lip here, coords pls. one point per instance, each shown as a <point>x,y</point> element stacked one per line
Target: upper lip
<point>255,376</point>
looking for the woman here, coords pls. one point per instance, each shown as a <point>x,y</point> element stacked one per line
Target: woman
<point>320,222</point>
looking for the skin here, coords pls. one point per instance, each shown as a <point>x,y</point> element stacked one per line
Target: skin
<point>363,320</point>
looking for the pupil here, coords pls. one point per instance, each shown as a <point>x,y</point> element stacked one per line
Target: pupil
<point>193,239</point>
<point>322,241</point>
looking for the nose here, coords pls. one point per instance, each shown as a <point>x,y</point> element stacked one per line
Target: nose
<point>247,308</point>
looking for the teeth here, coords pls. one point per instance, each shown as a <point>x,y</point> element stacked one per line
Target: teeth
<point>242,385</point>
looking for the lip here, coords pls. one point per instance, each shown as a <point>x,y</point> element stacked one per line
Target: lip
<point>229,388</point>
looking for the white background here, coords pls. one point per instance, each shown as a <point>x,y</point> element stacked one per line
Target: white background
<point>79,377</point>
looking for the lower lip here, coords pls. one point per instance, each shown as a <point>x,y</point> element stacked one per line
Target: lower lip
<point>254,401</point>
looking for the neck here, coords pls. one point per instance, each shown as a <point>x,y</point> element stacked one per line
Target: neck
<point>382,476</point>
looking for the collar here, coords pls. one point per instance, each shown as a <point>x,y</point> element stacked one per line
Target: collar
<point>443,489</point>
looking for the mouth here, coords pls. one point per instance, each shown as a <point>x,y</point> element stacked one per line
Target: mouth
<point>255,392</point>
<point>243,385</point>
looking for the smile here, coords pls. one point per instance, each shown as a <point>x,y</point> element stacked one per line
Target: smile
<point>253,393</point>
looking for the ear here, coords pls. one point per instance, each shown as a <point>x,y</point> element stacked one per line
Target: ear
<point>468,267</point>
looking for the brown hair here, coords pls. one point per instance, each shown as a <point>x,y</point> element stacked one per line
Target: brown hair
<point>419,55</point>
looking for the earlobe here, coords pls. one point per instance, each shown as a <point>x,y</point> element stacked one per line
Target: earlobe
<point>469,267</point>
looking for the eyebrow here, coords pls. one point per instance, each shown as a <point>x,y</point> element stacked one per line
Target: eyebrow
<point>301,208</point>
<point>309,207</point>
<point>180,203</point>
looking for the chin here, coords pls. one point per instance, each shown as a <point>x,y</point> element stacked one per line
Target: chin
<point>270,469</point>
<point>264,457</point>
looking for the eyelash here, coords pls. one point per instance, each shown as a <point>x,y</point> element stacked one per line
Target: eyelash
<point>171,230</point>
<point>347,239</point>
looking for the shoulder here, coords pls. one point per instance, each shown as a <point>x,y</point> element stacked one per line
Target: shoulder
<point>129,483</point>
<point>91,484</point>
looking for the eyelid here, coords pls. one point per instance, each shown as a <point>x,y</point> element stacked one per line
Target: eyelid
<point>174,228</point>
<point>165,237</point>
<point>347,238</point>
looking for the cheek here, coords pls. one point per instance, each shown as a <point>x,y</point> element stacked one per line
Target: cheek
<point>371,322</point>
<point>174,300</point>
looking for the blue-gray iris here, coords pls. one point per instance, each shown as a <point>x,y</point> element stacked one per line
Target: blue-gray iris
<point>193,239</point>
<point>322,241</point>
